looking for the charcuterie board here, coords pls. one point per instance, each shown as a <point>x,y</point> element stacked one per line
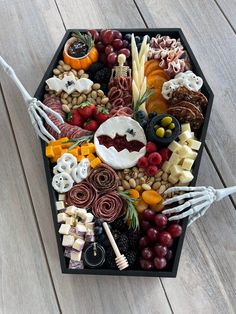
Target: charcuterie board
<point>136,108</point>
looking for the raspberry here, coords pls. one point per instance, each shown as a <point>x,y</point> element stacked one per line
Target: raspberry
<point>151,147</point>
<point>152,170</point>
<point>165,153</point>
<point>154,159</point>
<point>143,162</point>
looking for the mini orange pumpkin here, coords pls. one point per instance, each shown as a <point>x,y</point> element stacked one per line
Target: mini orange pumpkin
<point>79,63</point>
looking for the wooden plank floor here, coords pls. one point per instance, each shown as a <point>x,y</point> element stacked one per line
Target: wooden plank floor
<point>31,279</point>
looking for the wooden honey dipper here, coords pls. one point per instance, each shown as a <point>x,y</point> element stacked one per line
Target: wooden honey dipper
<point>121,260</point>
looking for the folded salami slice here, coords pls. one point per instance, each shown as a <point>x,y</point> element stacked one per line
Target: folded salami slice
<point>103,178</point>
<point>109,207</point>
<point>81,195</point>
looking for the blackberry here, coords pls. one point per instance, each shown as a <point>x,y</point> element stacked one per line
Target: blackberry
<point>133,237</point>
<point>131,257</point>
<point>95,67</point>
<point>110,258</point>
<point>123,243</point>
<point>116,234</point>
<point>103,75</point>
<point>104,87</point>
<point>120,224</point>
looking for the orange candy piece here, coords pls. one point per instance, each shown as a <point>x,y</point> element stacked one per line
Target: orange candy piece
<point>151,197</point>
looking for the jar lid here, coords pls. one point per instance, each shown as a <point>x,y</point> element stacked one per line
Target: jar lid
<point>94,255</point>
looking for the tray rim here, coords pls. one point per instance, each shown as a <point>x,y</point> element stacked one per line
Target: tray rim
<point>52,194</point>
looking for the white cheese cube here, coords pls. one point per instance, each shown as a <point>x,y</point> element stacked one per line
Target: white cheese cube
<point>185,127</point>
<point>89,225</point>
<point>186,177</point>
<point>185,151</point>
<point>176,170</point>
<point>68,240</point>
<point>166,166</point>
<point>193,155</point>
<point>78,244</point>
<point>61,197</point>
<point>194,144</point>
<point>82,212</point>
<point>70,221</point>
<point>64,229</point>
<point>60,205</point>
<point>71,210</point>
<point>61,217</point>
<point>174,146</point>
<point>187,164</point>
<point>75,255</point>
<point>174,158</point>
<point>88,217</point>
<point>172,179</point>
<point>186,135</point>
<point>81,229</point>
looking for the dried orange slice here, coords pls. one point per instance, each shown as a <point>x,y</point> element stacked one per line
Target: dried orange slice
<point>155,81</point>
<point>151,66</point>
<point>157,106</point>
<point>160,73</point>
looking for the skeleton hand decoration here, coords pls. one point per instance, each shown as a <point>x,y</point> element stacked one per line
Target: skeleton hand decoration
<point>121,69</point>
<point>36,109</point>
<point>199,199</point>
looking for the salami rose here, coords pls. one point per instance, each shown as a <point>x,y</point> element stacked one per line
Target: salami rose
<point>103,178</point>
<point>82,195</point>
<point>109,207</point>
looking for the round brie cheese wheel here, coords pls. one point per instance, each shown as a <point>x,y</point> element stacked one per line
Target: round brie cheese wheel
<point>128,135</point>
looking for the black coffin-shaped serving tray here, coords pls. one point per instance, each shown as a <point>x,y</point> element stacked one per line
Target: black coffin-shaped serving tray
<point>171,271</point>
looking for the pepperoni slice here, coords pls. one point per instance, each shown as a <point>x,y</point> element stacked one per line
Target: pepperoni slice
<point>109,207</point>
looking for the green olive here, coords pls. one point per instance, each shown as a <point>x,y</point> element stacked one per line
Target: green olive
<point>168,133</point>
<point>160,132</point>
<point>166,121</point>
<point>156,127</point>
<point>171,126</point>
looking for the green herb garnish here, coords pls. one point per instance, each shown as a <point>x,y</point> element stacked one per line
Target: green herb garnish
<point>131,213</point>
<point>79,141</point>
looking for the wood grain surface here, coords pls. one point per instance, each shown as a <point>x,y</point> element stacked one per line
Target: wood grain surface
<point>206,280</point>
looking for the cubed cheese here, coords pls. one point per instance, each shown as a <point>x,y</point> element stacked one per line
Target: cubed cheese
<point>71,210</point>
<point>61,197</point>
<point>194,144</point>
<point>89,225</point>
<point>193,155</point>
<point>82,212</point>
<point>176,170</point>
<point>61,217</point>
<point>75,255</point>
<point>88,217</point>
<point>64,229</point>
<point>187,164</point>
<point>172,179</point>
<point>80,229</point>
<point>174,147</point>
<point>70,220</point>
<point>175,158</point>
<point>186,177</point>
<point>78,244</point>
<point>60,205</point>
<point>166,166</point>
<point>186,135</point>
<point>68,240</point>
<point>185,127</point>
<point>185,151</point>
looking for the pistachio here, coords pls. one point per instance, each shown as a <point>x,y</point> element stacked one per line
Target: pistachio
<point>61,62</point>
<point>126,170</point>
<point>85,75</point>
<point>74,72</point>
<point>104,100</point>
<point>65,95</point>
<point>66,67</point>
<point>80,72</point>
<point>146,187</point>
<point>156,185</point>
<point>164,176</point>
<point>120,188</point>
<point>98,100</point>
<point>74,101</point>
<point>75,106</point>
<point>127,177</point>
<point>64,101</point>
<point>100,92</point>
<point>132,183</point>
<point>142,180</point>
<point>96,86</point>
<point>60,76</point>
<point>94,94</point>
<point>162,189</point>
<point>75,94</point>
<point>56,71</point>
<point>125,185</point>
<point>65,108</point>
<point>60,68</point>
<point>70,73</point>
<point>159,174</point>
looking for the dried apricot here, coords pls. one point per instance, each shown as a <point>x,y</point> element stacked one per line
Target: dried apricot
<point>133,193</point>
<point>151,197</point>
<point>141,206</point>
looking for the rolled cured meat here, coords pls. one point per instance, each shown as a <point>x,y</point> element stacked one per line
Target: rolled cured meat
<point>81,195</point>
<point>103,178</point>
<point>109,207</point>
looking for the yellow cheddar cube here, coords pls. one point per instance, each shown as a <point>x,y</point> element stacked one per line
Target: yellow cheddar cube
<point>66,145</point>
<point>84,144</point>
<point>49,152</point>
<point>91,157</point>
<point>59,142</point>
<point>92,148</point>
<point>54,159</point>
<point>95,162</point>
<point>79,158</point>
<point>74,151</point>
<point>57,150</point>
<point>85,150</point>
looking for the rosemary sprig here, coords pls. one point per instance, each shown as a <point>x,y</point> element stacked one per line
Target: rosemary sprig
<point>85,39</point>
<point>131,213</point>
<point>148,93</point>
<point>79,141</point>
